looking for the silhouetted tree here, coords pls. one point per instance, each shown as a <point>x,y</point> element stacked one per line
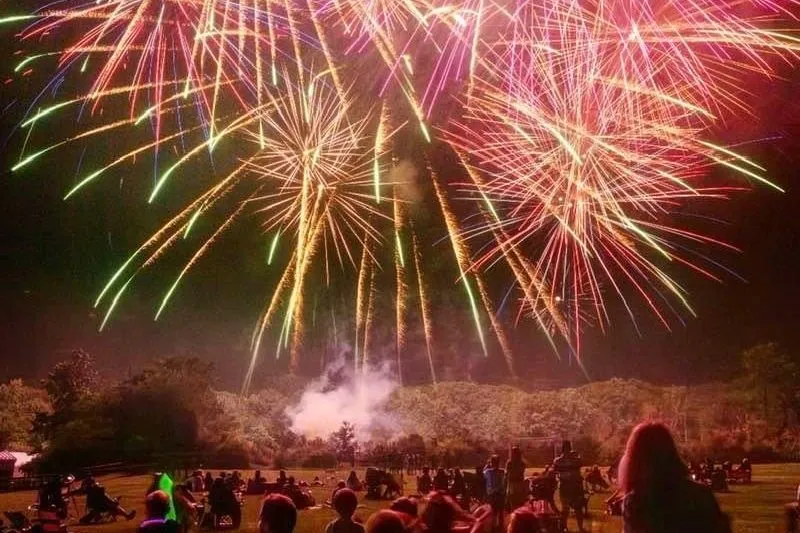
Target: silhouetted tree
<point>343,442</point>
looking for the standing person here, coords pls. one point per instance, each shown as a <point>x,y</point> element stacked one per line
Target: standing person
<point>517,492</point>
<point>792,513</point>
<point>495,479</point>
<point>567,467</point>
<point>278,515</point>
<point>345,502</point>
<point>659,496</point>
<point>208,481</point>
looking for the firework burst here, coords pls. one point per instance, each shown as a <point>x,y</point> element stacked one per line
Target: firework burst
<point>583,128</point>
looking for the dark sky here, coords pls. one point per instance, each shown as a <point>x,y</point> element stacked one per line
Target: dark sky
<point>56,255</point>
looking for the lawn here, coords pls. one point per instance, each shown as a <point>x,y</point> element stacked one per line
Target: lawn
<point>756,508</point>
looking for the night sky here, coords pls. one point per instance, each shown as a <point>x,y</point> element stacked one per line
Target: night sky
<point>55,257</point>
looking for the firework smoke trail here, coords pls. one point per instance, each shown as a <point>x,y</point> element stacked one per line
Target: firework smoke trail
<point>424,306</point>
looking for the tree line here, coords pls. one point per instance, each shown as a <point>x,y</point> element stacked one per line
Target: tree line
<point>170,411</point>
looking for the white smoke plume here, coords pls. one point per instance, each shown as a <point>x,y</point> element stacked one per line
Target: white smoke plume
<point>341,395</point>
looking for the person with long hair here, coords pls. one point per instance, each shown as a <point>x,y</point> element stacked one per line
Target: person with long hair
<point>658,493</point>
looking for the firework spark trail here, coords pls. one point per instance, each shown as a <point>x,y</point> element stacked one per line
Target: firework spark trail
<point>368,318</point>
<point>402,287</point>
<point>424,305</point>
<point>461,253</point>
<point>523,273</point>
<point>588,125</point>
<point>361,303</point>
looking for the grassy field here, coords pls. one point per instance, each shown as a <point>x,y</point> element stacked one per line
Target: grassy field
<point>756,508</point>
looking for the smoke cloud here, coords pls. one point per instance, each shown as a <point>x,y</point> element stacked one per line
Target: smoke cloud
<point>340,395</point>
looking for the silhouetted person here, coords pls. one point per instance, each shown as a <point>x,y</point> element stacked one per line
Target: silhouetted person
<point>386,521</point>
<point>195,481</point>
<point>659,496</point>
<point>99,503</point>
<point>441,481</point>
<point>51,497</point>
<point>278,515</point>
<point>208,481</point>
<point>459,488</point>
<point>495,479</point>
<point>405,505</point>
<point>567,467</point>
<point>792,511</point>
<point>157,507</point>
<point>517,490</point>
<point>524,520</point>
<point>441,513</point>
<point>353,483</point>
<point>424,481</point>
<point>544,486</point>
<point>345,503</point>
<point>282,479</point>
<point>223,502</point>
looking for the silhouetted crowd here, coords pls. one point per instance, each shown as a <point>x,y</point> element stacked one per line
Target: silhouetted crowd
<point>656,493</point>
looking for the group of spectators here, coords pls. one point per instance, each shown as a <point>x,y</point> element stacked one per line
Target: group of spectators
<point>656,491</point>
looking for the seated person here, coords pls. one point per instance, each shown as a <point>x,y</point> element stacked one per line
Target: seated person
<point>596,480</point>
<point>441,481</point>
<point>340,485</point>
<point>282,479</point>
<point>543,487</point>
<point>195,482</point>
<point>719,479</point>
<point>186,507</point>
<point>99,503</point>
<point>459,487</point>
<point>745,465</point>
<point>223,502</point>
<point>353,483</point>
<point>301,498</point>
<point>345,502</point>
<point>157,508</point>
<point>51,497</point>
<point>393,488</point>
<point>317,482</point>
<point>424,481</point>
